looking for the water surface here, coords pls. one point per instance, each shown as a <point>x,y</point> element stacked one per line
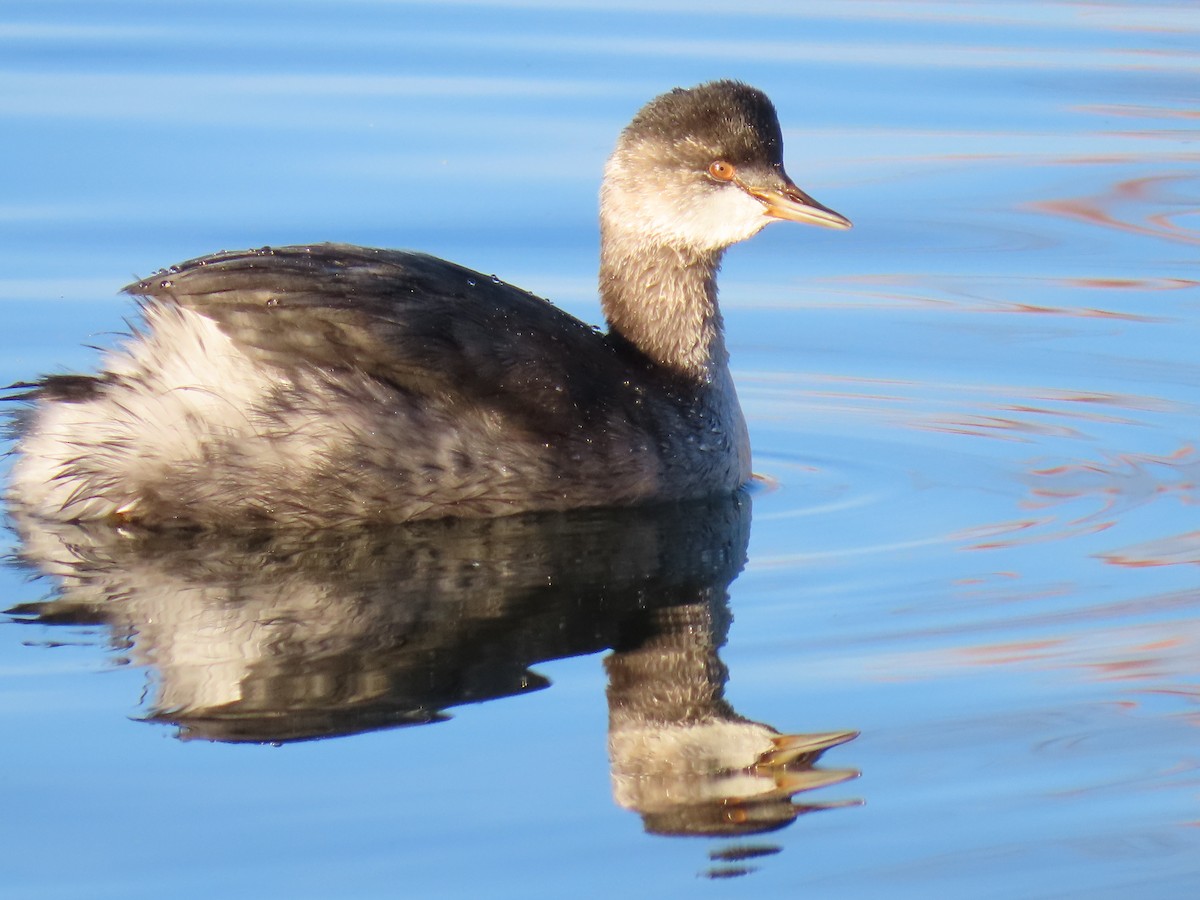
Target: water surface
<point>975,542</point>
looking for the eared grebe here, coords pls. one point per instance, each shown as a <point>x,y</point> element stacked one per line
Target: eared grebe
<point>330,384</point>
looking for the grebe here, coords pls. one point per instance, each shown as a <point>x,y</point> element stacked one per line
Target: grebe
<point>330,384</point>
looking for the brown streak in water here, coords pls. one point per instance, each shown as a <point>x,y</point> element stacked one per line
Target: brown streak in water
<point>1072,529</point>
<point>1141,112</point>
<point>1174,550</point>
<point>1116,484</point>
<point>1102,210</point>
<point>1136,284</point>
<point>964,301</point>
<point>1115,159</point>
<point>1011,576</point>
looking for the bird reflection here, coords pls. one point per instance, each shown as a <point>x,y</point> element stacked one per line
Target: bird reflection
<point>275,636</point>
<point>681,756</point>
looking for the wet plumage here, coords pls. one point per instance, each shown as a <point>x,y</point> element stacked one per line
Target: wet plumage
<point>325,384</point>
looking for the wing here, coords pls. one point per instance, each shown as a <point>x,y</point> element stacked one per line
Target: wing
<point>420,324</point>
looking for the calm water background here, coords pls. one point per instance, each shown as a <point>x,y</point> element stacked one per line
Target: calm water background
<point>977,412</point>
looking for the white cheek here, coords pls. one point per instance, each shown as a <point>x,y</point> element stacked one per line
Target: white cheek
<point>711,220</point>
<point>723,217</point>
<point>703,216</point>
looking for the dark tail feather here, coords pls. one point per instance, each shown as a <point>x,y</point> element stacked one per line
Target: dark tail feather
<point>61,388</point>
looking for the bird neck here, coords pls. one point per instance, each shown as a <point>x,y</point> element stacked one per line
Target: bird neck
<point>662,299</point>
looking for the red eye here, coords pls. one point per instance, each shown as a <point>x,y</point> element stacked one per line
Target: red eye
<point>721,170</point>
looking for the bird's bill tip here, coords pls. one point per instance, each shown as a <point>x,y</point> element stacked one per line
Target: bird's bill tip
<point>793,205</point>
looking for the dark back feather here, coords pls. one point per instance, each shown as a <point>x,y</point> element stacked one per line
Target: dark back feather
<point>422,325</point>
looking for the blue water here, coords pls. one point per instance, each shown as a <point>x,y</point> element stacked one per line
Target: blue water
<point>976,541</point>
